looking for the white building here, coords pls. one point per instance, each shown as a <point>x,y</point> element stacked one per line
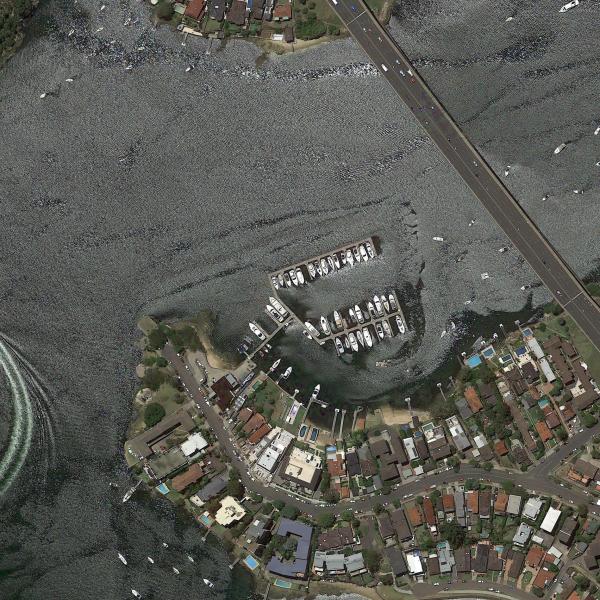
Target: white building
<point>270,457</point>
<point>550,520</point>
<point>413,561</point>
<point>411,450</point>
<point>195,443</point>
<point>532,508</point>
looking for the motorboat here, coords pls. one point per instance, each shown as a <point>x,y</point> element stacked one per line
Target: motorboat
<point>325,326</point>
<point>343,258</point>
<point>288,281</point>
<point>350,257</point>
<point>379,330</point>
<point>175,570</point>
<point>560,148</point>
<point>360,338</point>
<point>256,331</point>
<point>569,6</point>
<point>356,252</point>
<point>130,491</point>
<point>359,313</point>
<point>275,282</point>
<point>370,250</point>
<point>311,270</point>
<point>281,280</point>
<point>339,346</point>
<point>597,131</point>
<point>392,302</point>
<point>385,303</point>
<point>286,373</point>
<point>353,342</point>
<point>190,558</point>
<point>122,558</point>
<point>150,560</point>
<point>346,342</point>
<point>438,238</point>
<point>311,328</point>
<point>300,276</point>
<point>294,277</point>
<point>318,268</point>
<point>336,261</point>
<point>165,545</point>
<point>208,583</point>
<point>324,266</point>
<point>275,365</point>
<point>367,336</point>
<point>338,319</point>
<point>331,263</point>
<point>377,302</point>
<point>386,328</point>
<point>278,306</point>
<point>316,390</point>
<point>136,593</point>
<point>443,334</point>
<point>371,309</point>
<point>352,315</point>
<point>400,323</point>
<point>363,253</point>
<point>273,313</point>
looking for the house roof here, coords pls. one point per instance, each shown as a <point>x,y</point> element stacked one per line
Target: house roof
<point>448,502</point>
<point>543,431</point>
<point>195,9</point>
<point>283,11</point>
<point>473,501</point>
<point>414,516</point>
<point>429,511</point>
<point>500,448</point>
<point>535,556</point>
<point>396,560</point>
<point>501,502</point>
<point>472,398</point>
<point>336,467</point>
<point>254,423</point>
<point>259,434</point>
<point>237,12</point>
<point>224,391</point>
<point>336,538</point>
<point>516,567</point>
<point>386,528</point>
<point>379,448</point>
<point>191,475</point>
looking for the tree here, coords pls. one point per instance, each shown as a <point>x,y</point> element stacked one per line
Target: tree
<point>561,434</point>
<point>290,512</point>
<point>153,378</point>
<point>372,560</point>
<point>157,338</point>
<point>326,520</point>
<point>508,486</point>
<point>278,504</point>
<point>153,414</point>
<point>235,488</point>
<point>454,533</point>
<point>582,509</point>
<point>378,509</point>
<point>331,496</point>
<point>164,10</point>
<point>542,327</point>
<point>587,420</point>
<point>347,515</point>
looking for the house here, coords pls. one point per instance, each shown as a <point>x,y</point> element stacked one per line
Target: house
<point>516,567</point>
<point>485,502</point>
<point>396,559</point>
<point>414,516</point>
<point>473,501</point>
<point>520,456</point>
<point>336,539</point>
<point>297,567</point>
<point>259,530</point>
<point>386,529</point>
<point>400,524</point>
<point>514,505</point>
<point>379,448</point>
<point>586,470</point>
<point>244,415</point>
<point>462,560</point>
<point>543,579</point>
<point>389,472</point>
<point>336,467</point>
<point>501,503</point>
<point>494,561</point>
<point>532,508</point>
<point>254,422</point>
<point>460,439</point>
<point>530,372</point>
<point>259,434</point>
<point>237,13</point>
<point>459,506</point>
<point>552,420</point>
<point>550,520</point>
<point>480,564</point>
<point>433,565</point>
<point>302,468</point>
<point>191,475</point>
<point>567,531</point>
<point>445,557</point>
<point>500,448</point>
<point>257,9</point>
<point>415,566</point>
<point>230,511</point>
<point>535,556</point>
<point>472,398</point>
<point>216,10</point>
<point>522,535</point>
<point>282,11</point>
<point>543,431</point>
<point>213,488</point>
<point>463,409</point>
<point>352,464</point>
<point>448,503</point>
<point>354,564</point>
<point>422,449</point>
<point>195,9</point>
<point>223,388</point>
<point>429,512</point>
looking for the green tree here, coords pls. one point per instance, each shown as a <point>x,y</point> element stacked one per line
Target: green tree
<point>587,420</point>
<point>153,378</point>
<point>452,532</point>
<point>153,414</point>
<point>326,520</point>
<point>372,560</point>
<point>582,509</point>
<point>378,509</point>
<point>331,497</point>
<point>278,504</point>
<point>347,515</point>
<point>508,486</point>
<point>290,512</point>
<point>235,488</point>
<point>164,10</point>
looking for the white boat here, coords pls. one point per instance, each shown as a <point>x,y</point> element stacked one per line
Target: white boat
<point>443,333</point>
<point>560,148</point>
<point>122,558</point>
<point>288,281</point>
<point>190,558</point>
<point>150,560</point>
<point>367,336</point>
<point>256,331</point>
<point>336,262</point>
<point>597,131</point>
<point>325,326</point>
<point>356,252</point>
<point>350,257</point>
<point>287,373</point>
<point>352,315</point>
<point>311,270</point>
<point>175,570</point>
<point>278,306</point>
<point>400,323</point>
<point>275,365</point>
<point>208,583</point>
<point>379,330</point>
<point>353,342</point>
<point>485,276</point>
<point>294,277</point>
<point>377,304</point>
<point>275,282</point>
<point>339,346</point>
<point>387,329</point>
<point>338,319</point>
<point>130,491</point>
<point>392,302</point>
<point>506,171</point>
<point>545,197</point>
<point>324,266</point>
<point>360,338</point>
<point>331,263</point>
<point>363,253</point>
<point>311,328</point>
<point>569,6</point>
<point>370,249</point>
<point>300,276</point>
<point>318,269</point>
<point>136,593</point>
<point>371,309</point>
<point>316,390</point>
<point>281,280</point>
<point>385,303</point>
<point>438,238</point>
<point>165,545</point>
<point>273,313</point>
<point>346,342</point>
<point>343,258</point>
<point>359,313</point>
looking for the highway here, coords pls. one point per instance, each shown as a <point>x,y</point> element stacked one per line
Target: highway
<point>553,271</point>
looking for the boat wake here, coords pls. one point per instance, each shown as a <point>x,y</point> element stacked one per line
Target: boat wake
<point>30,412</point>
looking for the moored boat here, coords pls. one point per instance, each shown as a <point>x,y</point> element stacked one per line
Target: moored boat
<point>300,276</point>
<point>386,328</point>
<point>353,342</point>
<point>359,313</point>
<point>379,330</point>
<point>325,326</point>
<point>400,323</point>
<point>367,336</point>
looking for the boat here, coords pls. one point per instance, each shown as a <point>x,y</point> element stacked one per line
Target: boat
<point>275,282</point>
<point>350,257</point>
<point>122,558</point>
<point>324,266</point>
<point>294,277</point>
<point>316,391</point>
<point>392,302</point>
<point>356,252</point>
<point>275,365</point>
<point>370,249</point>
<point>360,338</point>
<point>339,346</point>
<point>379,330</point>
<point>338,319</point>
<point>311,270</point>
<point>359,313</point>
<point>346,342</point>
<point>353,342</point>
<point>569,6</point>
<point>318,269</point>
<point>352,315</point>
<point>208,583</point>
<point>371,309</point>
<point>278,306</point>
<point>273,313</point>
<point>400,323</point>
<point>288,281</point>
<point>256,331</point>
<point>175,570</point>
<point>386,328</point>
<point>363,253</point>
<point>336,261</point>
<point>281,280</point>
<point>377,304</point>
<point>287,373</point>
<point>325,326</point>
<point>331,263</point>
<point>385,303</point>
<point>130,491</point>
<point>136,593</point>
<point>560,148</point>
<point>367,336</point>
<point>443,334</point>
<point>597,131</point>
<point>150,560</point>
<point>300,276</point>
<point>311,328</point>
<point>190,558</point>
<point>438,238</point>
<point>165,545</point>
<point>343,258</point>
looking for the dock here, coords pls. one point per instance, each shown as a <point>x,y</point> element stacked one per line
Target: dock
<point>270,336</point>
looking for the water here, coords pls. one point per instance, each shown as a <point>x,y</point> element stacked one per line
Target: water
<point>153,190</point>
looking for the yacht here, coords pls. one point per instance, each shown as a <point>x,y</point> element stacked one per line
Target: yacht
<point>560,148</point>
<point>385,303</point>
<point>377,304</point>
<point>136,593</point>
<point>343,258</point>
<point>350,257</point>
<point>278,306</point>
<point>122,558</point>
<point>379,330</point>
<point>569,6</point>
<point>392,302</point>
<point>360,337</point>
<point>325,326</point>
<point>363,253</point>
<point>256,331</point>
<point>353,342</point>
<point>339,346</point>
<point>352,315</point>
<point>438,238</point>
<point>275,282</point>
<point>300,276</point>
<point>359,313</point>
<point>324,266</point>
<point>150,560</point>
<point>346,342</point>
<point>336,261</point>
<point>316,390</point>
<point>130,491</point>
<point>288,281</point>
<point>311,328</point>
<point>400,323</point>
<point>281,280</point>
<point>356,254</point>
<point>338,319</point>
<point>318,268</point>
<point>443,334</point>
<point>597,131</point>
<point>208,583</point>
<point>275,365</point>
<point>287,373</point>
<point>190,558</point>
<point>175,570</point>
<point>311,270</point>
<point>370,249</point>
<point>371,309</point>
<point>165,545</point>
<point>273,313</point>
<point>367,336</point>
<point>386,328</point>
<point>294,277</point>
<point>331,263</point>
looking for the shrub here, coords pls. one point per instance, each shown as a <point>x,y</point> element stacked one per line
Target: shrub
<point>153,414</point>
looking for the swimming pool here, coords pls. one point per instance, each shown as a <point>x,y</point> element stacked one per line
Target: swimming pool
<point>286,585</point>
<point>474,361</point>
<point>162,488</point>
<point>314,434</point>
<point>251,562</point>
<point>302,431</point>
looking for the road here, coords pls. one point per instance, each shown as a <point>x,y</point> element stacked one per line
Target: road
<point>387,56</point>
